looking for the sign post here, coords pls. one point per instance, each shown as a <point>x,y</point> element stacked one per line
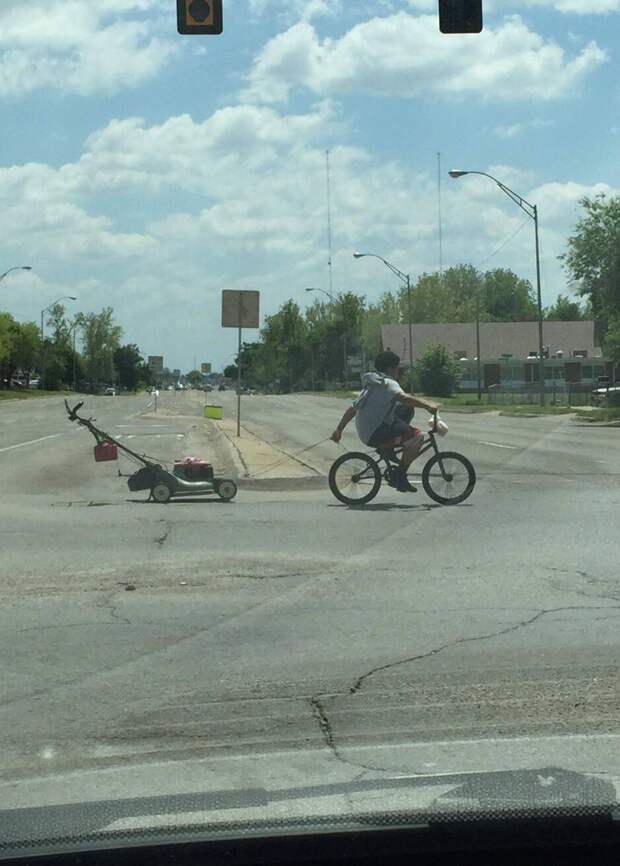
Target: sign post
<point>240,309</point>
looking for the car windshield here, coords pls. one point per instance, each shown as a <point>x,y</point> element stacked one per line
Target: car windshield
<point>309,404</point>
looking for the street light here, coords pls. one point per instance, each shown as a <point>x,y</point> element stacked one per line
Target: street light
<point>344,334</point>
<point>532,211</point>
<point>16,268</point>
<point>43,312</point>
<point>406,279</point>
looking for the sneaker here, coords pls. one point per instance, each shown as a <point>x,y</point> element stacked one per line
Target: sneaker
<point>398,479</point>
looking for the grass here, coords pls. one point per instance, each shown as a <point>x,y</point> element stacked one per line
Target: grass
<point>611,414</point>
<point>469,404</point>
<point>31,394</point>
<point>526,410</point>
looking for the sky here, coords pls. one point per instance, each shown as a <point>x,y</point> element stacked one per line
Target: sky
<point>148,171</point>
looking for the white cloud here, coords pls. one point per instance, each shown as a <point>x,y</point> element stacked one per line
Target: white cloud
<point>79,46</point>
<point>512,130</point>
<point>404,55</point>
<point>239,199</point>
<point>579,7</point>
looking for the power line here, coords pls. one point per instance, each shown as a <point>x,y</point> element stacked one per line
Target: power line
<point>503,244</point>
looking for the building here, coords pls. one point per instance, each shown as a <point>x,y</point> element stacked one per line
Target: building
<point>509,351</point>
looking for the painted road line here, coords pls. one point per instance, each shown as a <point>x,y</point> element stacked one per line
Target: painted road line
<point>31,442</point>
<point>497,445</point>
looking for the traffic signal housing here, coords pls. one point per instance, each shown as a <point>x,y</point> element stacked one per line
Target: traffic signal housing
<point>460,16</point>
<point>199,17</point>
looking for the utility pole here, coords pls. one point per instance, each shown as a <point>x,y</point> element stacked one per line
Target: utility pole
<point>439,220</point>
<point>329,223</point>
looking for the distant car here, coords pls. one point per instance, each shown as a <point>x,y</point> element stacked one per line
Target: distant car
<point>222,387</point>
<point>170,388</point>
<point>208,388</point>
<point>110,392</point>
<point>35,383</point>
<point>600,395</point>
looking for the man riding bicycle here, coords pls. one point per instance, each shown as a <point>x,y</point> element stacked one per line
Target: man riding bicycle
<point>382,414</point>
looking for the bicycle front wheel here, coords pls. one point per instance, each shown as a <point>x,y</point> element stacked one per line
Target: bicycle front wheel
<point>354,478</point>
<point>448,478</point>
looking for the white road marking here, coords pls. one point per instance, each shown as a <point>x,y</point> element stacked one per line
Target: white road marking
<point>497,445</point>
<point>31,442</point>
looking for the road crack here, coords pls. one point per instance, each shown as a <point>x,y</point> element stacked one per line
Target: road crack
<point>359,682</point>
<point>107,604</point>
<point>320,714</point>
<point>164,538</point>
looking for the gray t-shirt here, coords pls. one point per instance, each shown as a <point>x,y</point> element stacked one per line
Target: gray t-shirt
<point>375,404</point>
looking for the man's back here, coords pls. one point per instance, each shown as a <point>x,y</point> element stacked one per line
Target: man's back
<point>375,404</point>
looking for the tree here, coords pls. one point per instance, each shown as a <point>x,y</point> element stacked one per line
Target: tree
<point>231,372</point>
<point>565,310</point>
<point>8,331</point>
<point>129,365</point>
<point>436,372</point>
<point>508,298</point>
<point>27,347</point>
<point>194,377</point>
<point>611,343</point>
<point>593,255</point>
<point>101,339</point>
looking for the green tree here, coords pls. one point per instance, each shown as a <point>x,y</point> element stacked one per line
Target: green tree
<point>101,337</point>
<point>231,372</point>
<point>593,256</point>
<point>507,298</point>
<point>129,365</point>
<point>27,347</point>
<point>8,333</point>
<point>194,377</point>
<point>565,310</point>
<point>436,372</point>
<point>611,343</point>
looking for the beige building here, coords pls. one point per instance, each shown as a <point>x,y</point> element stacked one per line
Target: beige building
<point>509,350</point>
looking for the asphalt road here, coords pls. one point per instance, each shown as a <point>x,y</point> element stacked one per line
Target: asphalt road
<point>285,620</point>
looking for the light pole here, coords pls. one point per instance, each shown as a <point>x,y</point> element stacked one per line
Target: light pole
<point>532,211</point>
<point>478,343</point>
<point>344,333</point>
<point>407,280</point>
<point>16,268</point>
<point>43,312</point>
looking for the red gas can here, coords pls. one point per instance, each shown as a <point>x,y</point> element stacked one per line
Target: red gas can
<point>105,450</point>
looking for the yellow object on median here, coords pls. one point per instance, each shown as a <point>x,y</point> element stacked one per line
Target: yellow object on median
<point>214,412</point>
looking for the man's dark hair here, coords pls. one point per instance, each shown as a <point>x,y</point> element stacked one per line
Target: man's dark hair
<point>386,361</point>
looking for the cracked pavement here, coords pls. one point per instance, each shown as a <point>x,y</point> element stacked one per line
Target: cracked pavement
<point>283,620</point>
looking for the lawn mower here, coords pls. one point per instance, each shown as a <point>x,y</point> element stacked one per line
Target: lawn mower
<point>189,477</point>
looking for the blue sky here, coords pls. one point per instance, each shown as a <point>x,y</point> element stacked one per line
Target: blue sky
<point>146,170</point>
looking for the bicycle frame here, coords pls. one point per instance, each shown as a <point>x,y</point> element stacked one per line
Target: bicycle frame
<point>391,456</point>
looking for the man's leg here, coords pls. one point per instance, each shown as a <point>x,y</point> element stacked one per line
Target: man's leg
<point>411,449</point>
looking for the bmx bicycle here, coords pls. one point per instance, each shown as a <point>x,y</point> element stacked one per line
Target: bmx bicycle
<point>447,477</point>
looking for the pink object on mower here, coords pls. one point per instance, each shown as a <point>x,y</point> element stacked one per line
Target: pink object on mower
<point>105,450</point>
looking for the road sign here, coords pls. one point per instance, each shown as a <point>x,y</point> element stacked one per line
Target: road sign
<point>199,17</point>
<point>240,309</point>
<point>156,363</point>
<point>205,368</point>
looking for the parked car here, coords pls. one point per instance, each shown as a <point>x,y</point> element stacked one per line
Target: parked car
<point>601,395</point>
<point>110,392</point>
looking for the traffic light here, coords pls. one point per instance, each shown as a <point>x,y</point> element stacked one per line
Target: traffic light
<point>460,16</point>
<point>199,17</point>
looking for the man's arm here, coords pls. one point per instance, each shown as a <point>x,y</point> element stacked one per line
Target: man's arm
<point>348,416</point>
<point>416,402</point>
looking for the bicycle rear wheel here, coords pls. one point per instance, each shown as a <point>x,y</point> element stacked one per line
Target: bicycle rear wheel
<point>354,478</point>
<point>448,478</point>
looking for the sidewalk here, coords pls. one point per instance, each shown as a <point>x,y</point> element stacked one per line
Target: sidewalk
<point>261,464</point>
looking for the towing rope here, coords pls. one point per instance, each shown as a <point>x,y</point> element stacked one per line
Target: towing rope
<point>287,457</point>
